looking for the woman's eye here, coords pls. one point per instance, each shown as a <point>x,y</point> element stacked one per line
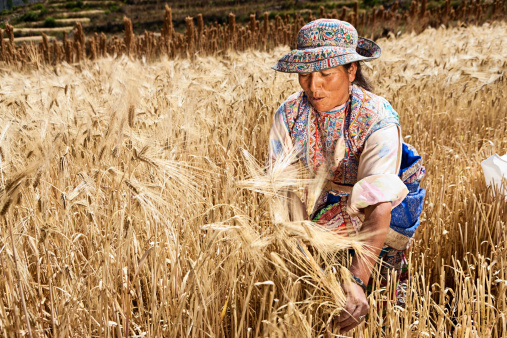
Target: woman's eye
<point>323,74</point>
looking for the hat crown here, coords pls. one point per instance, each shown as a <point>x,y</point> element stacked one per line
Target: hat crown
<point>327,32</point>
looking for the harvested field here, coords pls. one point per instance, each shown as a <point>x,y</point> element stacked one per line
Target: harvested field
<point>99,3</point>
<point>59,22</point>
<point>92,12</point>
<point>123,210</point>
<point>90,2</point>
<point>33,30</point>
<point>31,39</point>
<point>73,20</point>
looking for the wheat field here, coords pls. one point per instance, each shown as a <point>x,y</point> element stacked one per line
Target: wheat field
<point>134,203</point>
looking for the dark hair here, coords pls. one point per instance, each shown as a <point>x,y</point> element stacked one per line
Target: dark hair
<point>361,80</point>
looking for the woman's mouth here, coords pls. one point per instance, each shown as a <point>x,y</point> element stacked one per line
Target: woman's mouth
<point>317,99</point>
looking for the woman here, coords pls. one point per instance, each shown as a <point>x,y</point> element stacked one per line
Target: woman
<point>352,135</point>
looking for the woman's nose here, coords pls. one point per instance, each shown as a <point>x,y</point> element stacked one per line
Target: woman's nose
<point>315,82</point>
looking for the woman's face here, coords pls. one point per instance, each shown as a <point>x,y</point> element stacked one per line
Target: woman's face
<point>328,88</point>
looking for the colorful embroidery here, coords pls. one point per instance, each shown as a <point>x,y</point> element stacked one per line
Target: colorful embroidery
<point>317,134</point>
<point>335,139</point>
<point>335,217</point>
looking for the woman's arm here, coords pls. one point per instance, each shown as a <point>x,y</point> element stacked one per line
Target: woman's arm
<point>378,190</point>
<point>376,226</point>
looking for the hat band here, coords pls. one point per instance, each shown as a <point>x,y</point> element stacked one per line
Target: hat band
<point>317,65</point>
<point>316,54</point>
<point>319,59</point>
<point>328,44</point>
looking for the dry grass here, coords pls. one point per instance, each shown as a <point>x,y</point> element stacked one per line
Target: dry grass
<point>76,15</point>
<point>74,20</point>
<point>40,30</point>
<point>32,39</point>
<point>122,210</point>
<point>260,33</point>
<point>40,24</point>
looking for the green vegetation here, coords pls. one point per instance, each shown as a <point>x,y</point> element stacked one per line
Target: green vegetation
<point>75,4</point>
<point>49,22</point>
<point>371,3</point>
<point>38,7</point>
<point>29,17</point>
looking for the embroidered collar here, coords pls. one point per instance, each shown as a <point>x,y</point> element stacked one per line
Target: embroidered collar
<point>335,111</point>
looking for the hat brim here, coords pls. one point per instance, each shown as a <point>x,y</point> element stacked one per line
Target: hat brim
<point>321,58</point>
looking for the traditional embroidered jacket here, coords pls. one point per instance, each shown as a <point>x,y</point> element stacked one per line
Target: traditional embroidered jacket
<point>358,144</point>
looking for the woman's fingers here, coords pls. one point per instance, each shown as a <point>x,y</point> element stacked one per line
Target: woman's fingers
<point>356,307</point>
<point>353,318</point>
<point>347,311</point>
<point>348,328</point>
<point>355,298</point>
<point>356,319</point>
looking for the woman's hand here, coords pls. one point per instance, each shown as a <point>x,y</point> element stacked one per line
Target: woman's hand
<point>355,309</point>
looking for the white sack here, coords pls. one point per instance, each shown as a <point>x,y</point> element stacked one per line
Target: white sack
<point>494,169</point>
